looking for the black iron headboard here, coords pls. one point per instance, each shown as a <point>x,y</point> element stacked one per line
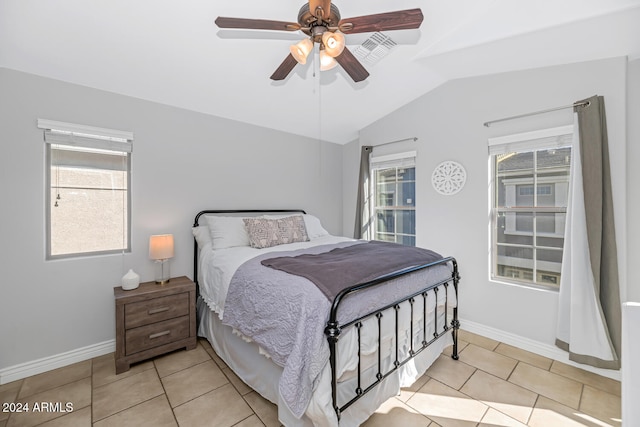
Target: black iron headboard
<point>230,211</point>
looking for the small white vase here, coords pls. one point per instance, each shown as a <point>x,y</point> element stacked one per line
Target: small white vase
<point>130,280</point>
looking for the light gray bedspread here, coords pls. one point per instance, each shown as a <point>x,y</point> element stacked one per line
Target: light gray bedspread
<point>286,316</point>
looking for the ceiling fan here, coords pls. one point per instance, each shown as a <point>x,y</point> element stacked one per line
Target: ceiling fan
<point>320,20</point>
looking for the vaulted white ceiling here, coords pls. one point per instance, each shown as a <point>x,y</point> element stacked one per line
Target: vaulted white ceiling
<point>172,52</point>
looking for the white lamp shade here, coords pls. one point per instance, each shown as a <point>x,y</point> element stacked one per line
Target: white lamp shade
<point>161,246</point>
<point>333,43</point>
<point>326,61</point>
<point>301,50</point>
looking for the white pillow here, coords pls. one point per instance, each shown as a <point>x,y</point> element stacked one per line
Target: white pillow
<point>227,231</point>
<point>202,235</point>
<point>314,228</point>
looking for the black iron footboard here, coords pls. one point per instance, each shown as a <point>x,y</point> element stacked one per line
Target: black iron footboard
<point>333,329</point>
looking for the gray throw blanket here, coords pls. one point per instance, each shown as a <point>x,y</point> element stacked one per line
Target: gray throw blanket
<point>339,268</point>
<point>286,315</point>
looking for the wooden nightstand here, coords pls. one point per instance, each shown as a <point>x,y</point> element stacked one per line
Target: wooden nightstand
<point>154,319</point>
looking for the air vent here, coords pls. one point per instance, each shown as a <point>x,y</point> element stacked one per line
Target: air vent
<point>373,49</point>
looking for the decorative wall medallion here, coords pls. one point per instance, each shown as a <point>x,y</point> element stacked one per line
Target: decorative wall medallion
<point>448,178</point>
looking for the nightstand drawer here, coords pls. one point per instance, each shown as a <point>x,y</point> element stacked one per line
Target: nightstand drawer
<point>156,334</point>
<point>155,310</point>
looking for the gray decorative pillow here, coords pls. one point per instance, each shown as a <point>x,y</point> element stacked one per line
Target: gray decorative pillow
<point>265,233</point>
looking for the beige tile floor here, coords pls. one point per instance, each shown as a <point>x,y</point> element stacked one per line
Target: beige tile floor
<point>492,384</point>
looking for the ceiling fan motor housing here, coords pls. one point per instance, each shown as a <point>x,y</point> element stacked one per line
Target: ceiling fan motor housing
<point>314,26</point>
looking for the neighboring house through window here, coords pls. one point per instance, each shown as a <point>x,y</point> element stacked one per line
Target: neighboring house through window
<point>394,198</point>
<point>530,188</point>
<point>88,189</point>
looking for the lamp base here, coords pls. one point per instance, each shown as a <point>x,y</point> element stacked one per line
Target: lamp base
<point>162,271</point>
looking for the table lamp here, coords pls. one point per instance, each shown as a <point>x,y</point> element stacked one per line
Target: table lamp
<point>160,250</point>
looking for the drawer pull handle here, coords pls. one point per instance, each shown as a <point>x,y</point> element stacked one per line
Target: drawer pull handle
<point>158,310</point>
<point>159,334</point>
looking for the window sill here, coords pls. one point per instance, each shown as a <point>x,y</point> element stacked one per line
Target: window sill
<point>525,285</point>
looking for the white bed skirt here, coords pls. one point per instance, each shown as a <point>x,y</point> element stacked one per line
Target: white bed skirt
<point>261,374</point>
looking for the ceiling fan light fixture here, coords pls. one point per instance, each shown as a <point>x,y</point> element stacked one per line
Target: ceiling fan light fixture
<point>301,50</point>
<point>326,62</point>
<point>333,43</point>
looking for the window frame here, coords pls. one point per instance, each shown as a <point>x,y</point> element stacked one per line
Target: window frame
<point>544,139</point>
<point>397,161</point>
<point>84,138</point>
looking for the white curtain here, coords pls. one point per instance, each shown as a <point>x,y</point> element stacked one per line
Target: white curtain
<point>589,304</point>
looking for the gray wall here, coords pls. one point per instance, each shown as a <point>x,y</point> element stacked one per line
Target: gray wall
<point>449,124</point>
<point>633,177</point>
<point>182,162</point>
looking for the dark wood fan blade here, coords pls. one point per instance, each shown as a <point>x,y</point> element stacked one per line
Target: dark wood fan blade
<point>398,20</point>
<point>285,68</point>
<point>352,66</point>
<point>324,5</point>
<point>256,24</point>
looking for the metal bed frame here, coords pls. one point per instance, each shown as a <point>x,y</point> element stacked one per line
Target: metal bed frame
<point>334,328</point>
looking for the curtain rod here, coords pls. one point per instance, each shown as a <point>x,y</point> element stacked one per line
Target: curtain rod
<point>414,138</point>
<point>575,104</point>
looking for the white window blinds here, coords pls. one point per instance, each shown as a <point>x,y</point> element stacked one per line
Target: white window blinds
<point>400,160</point>
<point>530,141</point>
<point>86,136</point>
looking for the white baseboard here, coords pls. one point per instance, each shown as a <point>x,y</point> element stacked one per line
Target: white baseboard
<point>542,349</point>
<point>27,369</point>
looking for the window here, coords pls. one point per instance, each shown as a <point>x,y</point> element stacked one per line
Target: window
<point>530,188</point>
<point>88,198</point>
<point>394,190</point>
